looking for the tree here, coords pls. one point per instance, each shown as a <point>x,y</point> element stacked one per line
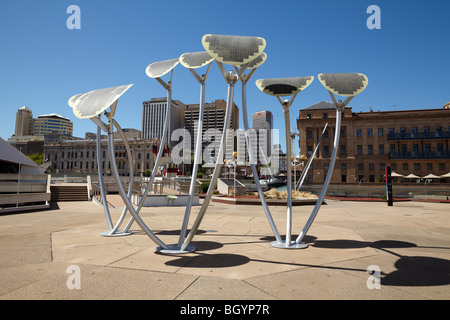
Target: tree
<point>38,158</point>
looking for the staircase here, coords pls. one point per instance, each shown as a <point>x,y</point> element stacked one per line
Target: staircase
<point>65,192</point>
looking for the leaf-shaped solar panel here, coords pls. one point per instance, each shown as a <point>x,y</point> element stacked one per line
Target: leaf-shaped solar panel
<point>158,69</point>
<point>344,84</point>
<point>284,86</point>
<point>91,104</point>
<point>234,50</point>
<point>258,61</point>
<point>193,60</point>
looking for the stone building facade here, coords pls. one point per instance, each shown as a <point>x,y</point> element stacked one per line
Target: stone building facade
<point>79,156</point>
<point>410,142</point>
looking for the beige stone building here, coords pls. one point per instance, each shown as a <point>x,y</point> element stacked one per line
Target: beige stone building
<point>410,142</point>
<point>79,156</point>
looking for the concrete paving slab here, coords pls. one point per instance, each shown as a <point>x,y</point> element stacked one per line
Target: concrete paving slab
<point>409,242</point>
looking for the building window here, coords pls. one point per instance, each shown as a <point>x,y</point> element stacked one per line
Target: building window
<point>358,133</point>
<point>369,132</point>
<point>426,129</point>
<point>342,133</point>
<point>371,166</point>
<point>326,150</point>
<point>429,166</point>
<point>325,115</point>
<point>308,116</point>
<point>325,135</point>
<point>309,134</point>
<point>372,178</point>
<point>405,166</point>
<point>359,149</point>
<point>393,166</point>
<point>427,147</point>
<point>344,178</point>
<point>343,166</point>
<point>381,149</point>
<point>342,153</point>
<point>360,166</point>
<point>392,148</point>
<point>382,166</point>
<point>416,166</point>
<point>310,150</point>
<point>441,166</point>
<point>380,132</point>
<point>369,149</point>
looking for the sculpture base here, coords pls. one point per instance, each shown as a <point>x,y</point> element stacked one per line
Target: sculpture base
<point>115,234</point>
<point>174,249</point>
<point>293,245</point>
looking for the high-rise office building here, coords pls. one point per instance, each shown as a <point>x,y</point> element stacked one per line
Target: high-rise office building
<point>154,115</point>
<point>50,123</point>
<point>213,121</point>
<point>24,122</point>
<point>263,124</point>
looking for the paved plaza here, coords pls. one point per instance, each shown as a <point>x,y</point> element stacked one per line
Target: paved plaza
<point>409,243</point>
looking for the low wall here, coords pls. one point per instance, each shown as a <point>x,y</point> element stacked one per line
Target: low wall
<point>163,201</point>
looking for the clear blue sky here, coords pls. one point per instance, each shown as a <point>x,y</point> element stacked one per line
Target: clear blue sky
<point>43,63</point>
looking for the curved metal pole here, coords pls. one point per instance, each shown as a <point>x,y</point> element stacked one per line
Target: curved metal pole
<point>253,164</point>
<point>124,196</point>
<point>159,155</point>
<point>303,176</point>
<point>198,149</point>
<point>131,169</point>
<point>101,181</point>
<point>339,108</point>
<point>217,167</point>
<point>287,124</point>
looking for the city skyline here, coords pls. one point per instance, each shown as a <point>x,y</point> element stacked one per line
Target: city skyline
<point>46,63</point>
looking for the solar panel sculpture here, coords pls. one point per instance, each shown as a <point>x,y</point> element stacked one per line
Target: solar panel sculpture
<point>283,87</point>
<point>91,105</point>
<point>347,85</point>
<point>242,53</point>
<point>237,51</point>
<point>195,60</point>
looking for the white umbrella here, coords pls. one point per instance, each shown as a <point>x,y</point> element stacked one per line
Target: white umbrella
<point>431,176</point>
<point>412,176</point>
<point>395,174</point>
<point>447,175</point>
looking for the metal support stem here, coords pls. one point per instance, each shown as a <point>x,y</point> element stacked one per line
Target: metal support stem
<point>127,202</point>
<point>218,166</point>
<point>159,155</point>
<point>253,164</point>
<point>287,125</point>
<point>305,171</point>
<point>101,180</point>
<point>130,183</point>
<point>339,108</point>
<point>197,158</point>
